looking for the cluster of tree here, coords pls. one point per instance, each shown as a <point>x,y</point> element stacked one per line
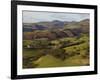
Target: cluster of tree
<point>58,53</point>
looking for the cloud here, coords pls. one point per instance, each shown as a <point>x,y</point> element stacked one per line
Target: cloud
<point>36,16</point>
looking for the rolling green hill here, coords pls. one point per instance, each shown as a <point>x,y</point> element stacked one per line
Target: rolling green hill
<point>65,46</point>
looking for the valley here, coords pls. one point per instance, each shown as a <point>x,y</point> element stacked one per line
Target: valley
<point>56,44</point>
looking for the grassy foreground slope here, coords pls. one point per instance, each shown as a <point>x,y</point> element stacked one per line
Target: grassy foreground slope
<point>50,61</point>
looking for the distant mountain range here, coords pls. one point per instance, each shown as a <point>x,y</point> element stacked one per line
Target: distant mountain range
<point>55,29</point>
<point>44,25</point>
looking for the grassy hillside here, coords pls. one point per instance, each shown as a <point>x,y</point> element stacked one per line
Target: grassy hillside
<point>61,47</point>
<point>48,61</point>
<point>72,51</point>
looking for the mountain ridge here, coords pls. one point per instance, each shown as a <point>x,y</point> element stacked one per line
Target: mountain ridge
<point>50,25</point>
<point>69,30</point>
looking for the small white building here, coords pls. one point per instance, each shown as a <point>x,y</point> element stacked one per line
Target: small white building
<point>28,46</point>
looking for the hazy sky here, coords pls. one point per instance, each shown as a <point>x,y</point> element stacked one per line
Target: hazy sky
<point>34,16</point>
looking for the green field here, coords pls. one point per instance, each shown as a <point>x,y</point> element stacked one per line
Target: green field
<point>73,51</point>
